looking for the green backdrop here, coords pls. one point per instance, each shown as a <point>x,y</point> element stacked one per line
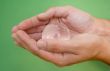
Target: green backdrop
<point>14,58</point>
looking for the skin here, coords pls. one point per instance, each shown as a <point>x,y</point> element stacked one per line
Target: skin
<point>81,36</point>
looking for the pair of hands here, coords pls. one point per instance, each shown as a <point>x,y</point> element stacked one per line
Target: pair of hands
<point>63,36</point>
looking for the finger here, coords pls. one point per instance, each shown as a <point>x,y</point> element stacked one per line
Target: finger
<point>14,29</point>
<point>29,23</point>
<point>69,46</point>
<point>54,58</point>
<point>25,39</point>
<point>35,36</point>
<point>57,59</point>
<point>31,46</point>
<point>17,40</point>
<point>69,59</point>
<point>54,12</point>
<point>30,43</point>
<point>48,56</point>
<point>36,29</point>
<point>57,46</point>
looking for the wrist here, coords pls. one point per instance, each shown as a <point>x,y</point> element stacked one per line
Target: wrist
<point>104,32</point>
<point>104,52</point>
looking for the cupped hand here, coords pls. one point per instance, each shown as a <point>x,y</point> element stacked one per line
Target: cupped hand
<point>61,35</point>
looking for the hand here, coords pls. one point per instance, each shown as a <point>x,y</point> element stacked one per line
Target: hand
<point>76,41</point>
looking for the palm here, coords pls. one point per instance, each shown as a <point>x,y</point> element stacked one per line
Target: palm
<point>63,28</point>
<point>76,22</point>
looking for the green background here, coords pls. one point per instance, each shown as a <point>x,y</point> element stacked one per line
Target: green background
<point>14,58</point>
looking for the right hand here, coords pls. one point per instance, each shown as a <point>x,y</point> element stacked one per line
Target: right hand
<point>82,40</point>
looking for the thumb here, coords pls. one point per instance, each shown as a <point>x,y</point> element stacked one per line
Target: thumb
<point>55,45</point>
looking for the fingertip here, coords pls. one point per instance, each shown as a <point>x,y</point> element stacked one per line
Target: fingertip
<point>15,29</point>
<point>41,44</point>
<point>26,24</point>
<point>42,16</point>
<point>21,34</point>
<point>13,36</point>
<point>24,36</point>
<point>47,15</point>
<point>18,32</point>
<point>16,40</point>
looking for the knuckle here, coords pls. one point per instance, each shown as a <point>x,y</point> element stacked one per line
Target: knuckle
<point>54,49</point>
<point>13,36</point>
<point>69,6</point>
<point>61,64</point>
<point>52,8</point>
